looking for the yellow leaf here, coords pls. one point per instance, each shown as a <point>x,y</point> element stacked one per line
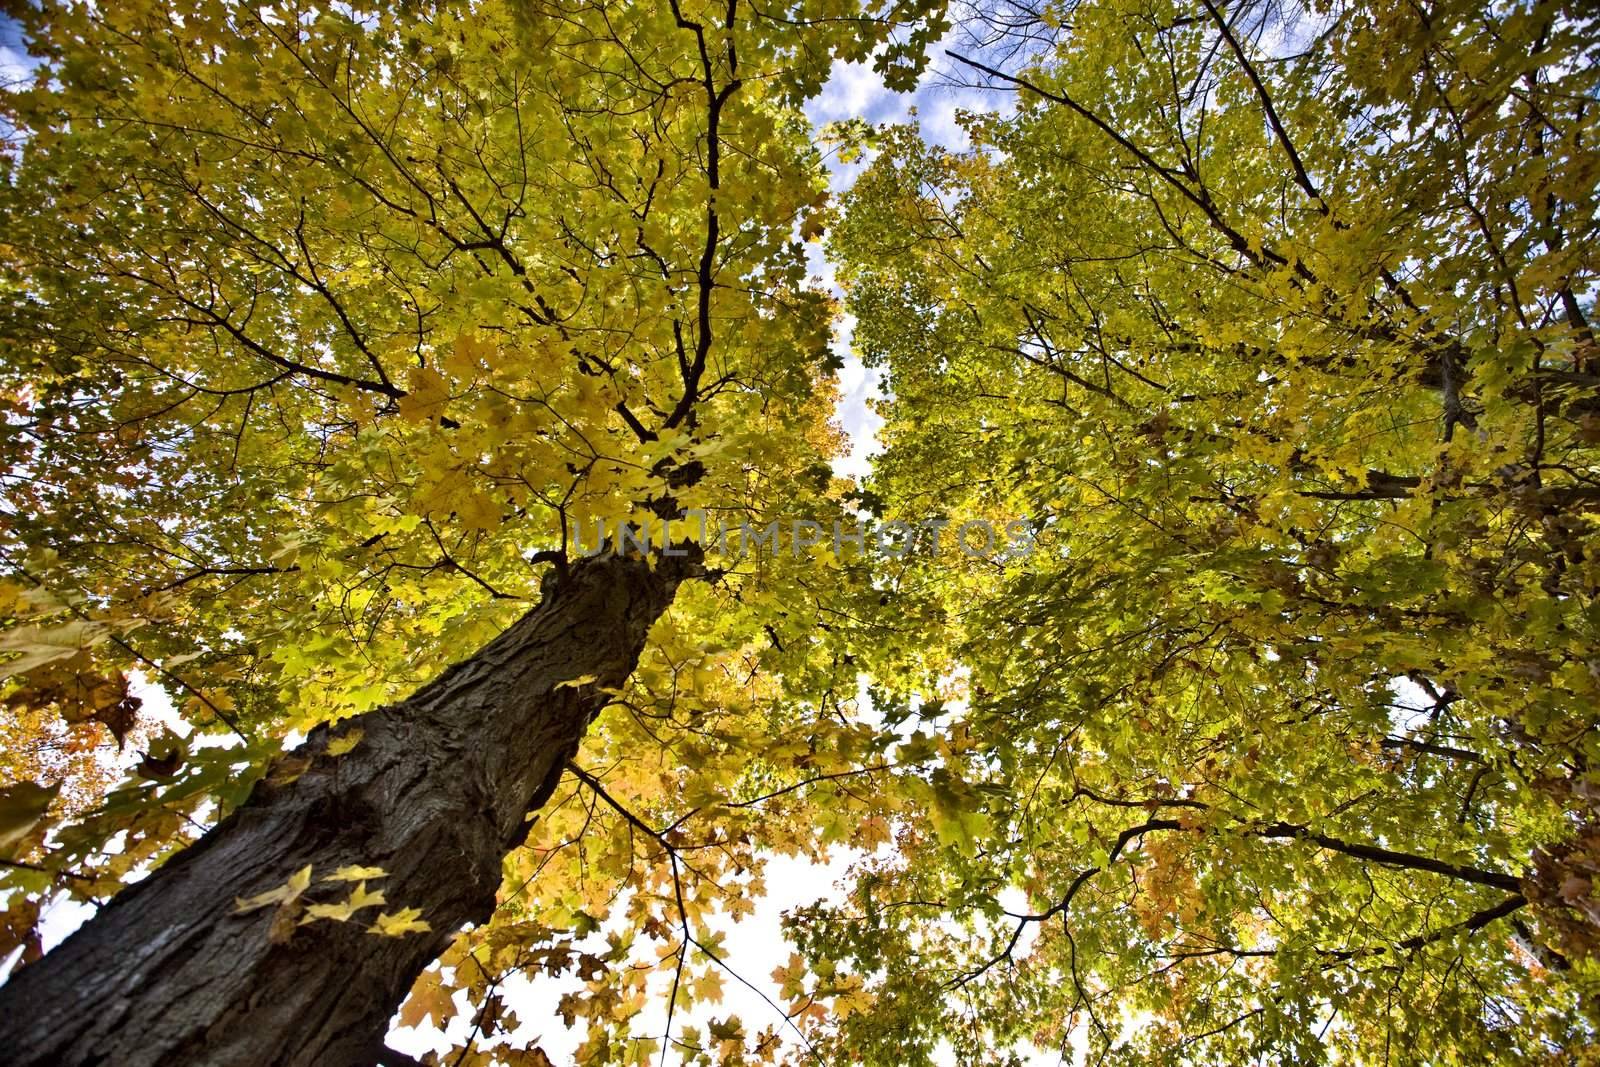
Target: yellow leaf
<point>286,892</point>
<point>344,909</point>
<point>351,738</point>
<point>708,987</point>
<point>849,997</point>
<point>478,511</point>
<point>467,354</point>
<point>573,683</point>
<point>287,768</point>
<point>46,644</point>
<point>428,998</point>
<point>354,873</point>
<point>425,400</point>
<point>22,806</point>
<point>399,923</point>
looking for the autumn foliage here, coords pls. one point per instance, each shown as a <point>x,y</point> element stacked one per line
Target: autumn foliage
<point>325,326</point>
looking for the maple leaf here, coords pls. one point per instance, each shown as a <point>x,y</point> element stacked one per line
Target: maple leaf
<point>22,808</point>
<point>288,892</point>
<point>165,756</point>
<point>39,644</point>
<point>708,987</point>
<point>427,397</point>
<point>574,683</point>
<point>400,923</point>
<point>341,911</point>
<point>345,742</point>
<point>429,999</point>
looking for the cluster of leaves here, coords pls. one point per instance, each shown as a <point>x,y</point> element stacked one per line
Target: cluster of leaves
<point>380,304</point>
<point>292,909</point>
<point>328,324</point>
<point>1277,327</point>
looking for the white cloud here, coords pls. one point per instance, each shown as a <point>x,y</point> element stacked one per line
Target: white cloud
<point>853,90</point>
<point>16,65</point>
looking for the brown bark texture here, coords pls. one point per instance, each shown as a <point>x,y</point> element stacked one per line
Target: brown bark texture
<point>438,789</point>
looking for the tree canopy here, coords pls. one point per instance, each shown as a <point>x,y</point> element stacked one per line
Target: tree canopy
<point>330,334</point>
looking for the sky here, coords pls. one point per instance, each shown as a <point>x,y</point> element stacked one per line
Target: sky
<point>14,60</point>
<point>855,90</point>
<point>757,944</point>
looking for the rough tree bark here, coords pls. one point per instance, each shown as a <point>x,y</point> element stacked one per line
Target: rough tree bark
<point>436,792</point>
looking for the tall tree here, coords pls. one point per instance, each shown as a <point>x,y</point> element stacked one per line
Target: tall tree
<point>329,328</point>
<point>1278,325</point>
<point>332,326</point>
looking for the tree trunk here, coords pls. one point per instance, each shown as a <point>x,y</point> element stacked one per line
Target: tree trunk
<point>436,792</point>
